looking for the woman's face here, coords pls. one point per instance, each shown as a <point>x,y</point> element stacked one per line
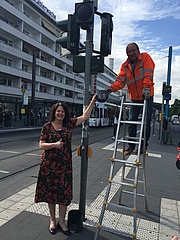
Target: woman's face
<point>60,113</point>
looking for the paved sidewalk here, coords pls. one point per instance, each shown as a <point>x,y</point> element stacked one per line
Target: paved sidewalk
<point>21,219</point>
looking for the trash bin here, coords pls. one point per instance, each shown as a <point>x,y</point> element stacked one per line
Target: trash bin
<point>75,221</point>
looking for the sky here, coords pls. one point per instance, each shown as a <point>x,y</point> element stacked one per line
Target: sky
<point>154,25</point>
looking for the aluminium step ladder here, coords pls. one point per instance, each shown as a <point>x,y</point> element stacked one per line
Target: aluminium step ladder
<point>133,162</point>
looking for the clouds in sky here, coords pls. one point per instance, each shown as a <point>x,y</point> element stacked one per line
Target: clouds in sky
<point>154,25</point>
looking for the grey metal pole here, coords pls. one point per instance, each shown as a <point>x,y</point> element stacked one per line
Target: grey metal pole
<point>162,111</point>
<point>33,87</point>
<point>85,132</point>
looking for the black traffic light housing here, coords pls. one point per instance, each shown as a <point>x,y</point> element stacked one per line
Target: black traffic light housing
<point>84,13</point>
<point>72,40</point>
<point>106,34</point>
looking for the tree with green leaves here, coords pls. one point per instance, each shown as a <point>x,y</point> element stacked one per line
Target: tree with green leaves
<point>175,108</point>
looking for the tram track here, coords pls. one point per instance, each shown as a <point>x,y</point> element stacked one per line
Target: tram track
<point>94,138</point>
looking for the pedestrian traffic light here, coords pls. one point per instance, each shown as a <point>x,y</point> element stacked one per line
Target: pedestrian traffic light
<point>84,13</point>
<point>72,39</point>
<point>106,34</point>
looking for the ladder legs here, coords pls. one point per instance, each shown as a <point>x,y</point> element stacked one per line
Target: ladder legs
<point>123,182</point>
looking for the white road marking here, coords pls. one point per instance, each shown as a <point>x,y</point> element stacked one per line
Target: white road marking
<point>2,171</point>
<point>111,148</point>
<point>33,154</point>
<point>4,151</point>
<point>13,152</point>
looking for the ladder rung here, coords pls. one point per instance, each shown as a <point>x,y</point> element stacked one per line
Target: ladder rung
<point>131,122</point>
<point>131,164</point>
<point>122,183</point>
<point>131,179</point>
<point>112,230</point>
<point>132,193</point>
<point>136,138</point>
<point>130,103</point>
<point>119,206</point>
<point>127,141</point>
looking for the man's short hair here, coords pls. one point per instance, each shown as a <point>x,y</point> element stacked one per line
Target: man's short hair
<point>134,44</point>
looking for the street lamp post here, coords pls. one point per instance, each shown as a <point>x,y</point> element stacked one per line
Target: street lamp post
<point>33,88</point>
<point>23,90</point>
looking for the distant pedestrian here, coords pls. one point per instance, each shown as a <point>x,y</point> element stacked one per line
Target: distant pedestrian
<point>115,124</point>
<point>54,184</point>
<point>6,118</point>
<point>1,118</point>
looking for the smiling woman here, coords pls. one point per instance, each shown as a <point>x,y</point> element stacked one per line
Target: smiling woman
<point>54,184</point>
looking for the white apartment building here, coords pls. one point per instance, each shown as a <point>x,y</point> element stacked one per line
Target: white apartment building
<point>27,29</point>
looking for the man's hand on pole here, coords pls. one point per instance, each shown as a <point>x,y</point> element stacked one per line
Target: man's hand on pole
<point>109,90</point>
<point>146,93</point>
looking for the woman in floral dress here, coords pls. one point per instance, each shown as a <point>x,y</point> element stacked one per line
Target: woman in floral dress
<point>54,184</point>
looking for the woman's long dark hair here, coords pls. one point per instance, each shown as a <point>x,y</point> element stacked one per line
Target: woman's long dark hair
<point>53,110</point>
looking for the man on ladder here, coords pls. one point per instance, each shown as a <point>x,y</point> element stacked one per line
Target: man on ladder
<point>137,73</point>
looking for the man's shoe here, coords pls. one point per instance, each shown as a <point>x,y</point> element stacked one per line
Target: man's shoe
<point>128,151</point>
<point>141,151</point>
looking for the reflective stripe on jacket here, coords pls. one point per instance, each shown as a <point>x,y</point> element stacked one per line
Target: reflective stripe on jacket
<point>137,81</point>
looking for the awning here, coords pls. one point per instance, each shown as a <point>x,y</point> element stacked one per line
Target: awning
<point>50,28</point>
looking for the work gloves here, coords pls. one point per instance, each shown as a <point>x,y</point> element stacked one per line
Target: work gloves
<point>109,90</point>
<point>146,93</point>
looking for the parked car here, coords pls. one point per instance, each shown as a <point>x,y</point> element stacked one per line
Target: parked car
<point>175,119</point>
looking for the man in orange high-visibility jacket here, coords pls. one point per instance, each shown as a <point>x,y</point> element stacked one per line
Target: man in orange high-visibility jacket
<point>137,73</point>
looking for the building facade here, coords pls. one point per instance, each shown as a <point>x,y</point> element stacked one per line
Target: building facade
<point>33,72</point>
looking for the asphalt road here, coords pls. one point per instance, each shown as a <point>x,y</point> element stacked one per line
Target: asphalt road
<point>20,156</point>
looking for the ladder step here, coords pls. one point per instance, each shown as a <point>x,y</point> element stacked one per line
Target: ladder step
<point>132,193</point>
<point>131,122</point>
<point>136,138</point>
<point>129,164</point>
<point>127,141</point>
<point>130,179</point>
<point>112,230</point>
<point>119,206</point>
<point>122,183</point>
<point>133,104</point>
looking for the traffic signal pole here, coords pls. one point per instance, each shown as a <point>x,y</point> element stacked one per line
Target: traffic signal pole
<point>84,18</point>
<point>85,132</point>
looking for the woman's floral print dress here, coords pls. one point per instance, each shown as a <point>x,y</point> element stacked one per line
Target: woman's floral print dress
<point>54,184</point>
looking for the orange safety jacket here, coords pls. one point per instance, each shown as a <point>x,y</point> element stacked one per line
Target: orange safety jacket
<point>137,81</point>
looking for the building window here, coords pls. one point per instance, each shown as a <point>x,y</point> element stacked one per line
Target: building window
<point>43,89</point>
<point>60,92</point>
<point>9,82</point>
<point>44,58</point>
<point>24,67</point>
<point>3,61</point>
<point>25,32</point>
<point>55,91</point>
<point>10,43</point>
<point>9,62</point>
<point>3,40</point>
<point>43,74</point>
<point>3,81</point>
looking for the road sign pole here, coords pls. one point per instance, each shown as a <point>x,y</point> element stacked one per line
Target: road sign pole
<point>168,80</point>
